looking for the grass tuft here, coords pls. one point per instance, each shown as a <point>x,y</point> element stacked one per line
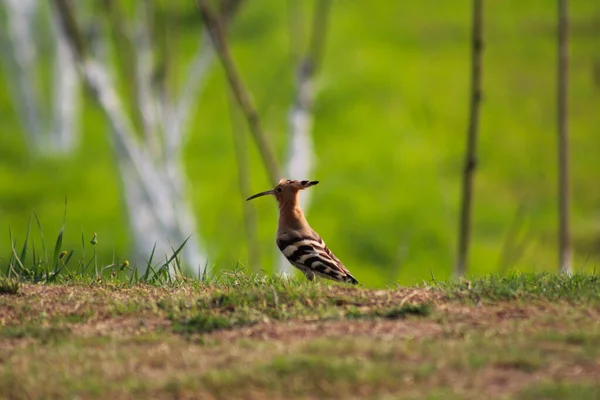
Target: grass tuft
<point>31,266</point>
<point>9,285</point>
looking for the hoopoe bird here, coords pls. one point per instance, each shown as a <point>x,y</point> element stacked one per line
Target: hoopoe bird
<point>299,243</point>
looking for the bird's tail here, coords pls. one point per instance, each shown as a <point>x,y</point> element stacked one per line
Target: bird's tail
<point>350,279</point>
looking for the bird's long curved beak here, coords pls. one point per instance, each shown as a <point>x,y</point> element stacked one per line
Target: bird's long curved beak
<point>266,192</point>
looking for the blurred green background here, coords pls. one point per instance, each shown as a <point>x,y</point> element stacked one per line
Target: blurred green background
<point>390,123</point>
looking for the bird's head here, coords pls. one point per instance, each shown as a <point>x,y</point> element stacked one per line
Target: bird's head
<point>286,190</point>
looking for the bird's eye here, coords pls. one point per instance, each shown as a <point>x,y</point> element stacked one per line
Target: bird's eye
<point>279,190</point>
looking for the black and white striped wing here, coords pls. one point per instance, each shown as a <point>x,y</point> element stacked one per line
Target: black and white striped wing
<point>311,255</point>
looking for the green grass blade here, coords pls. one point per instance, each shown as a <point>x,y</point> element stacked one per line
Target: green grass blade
<point>134,277</point>
<point>166,269</point>
<point>34,255</point>
<point>69,256</point>
<point>204,272</point>
<point>58,245</point>
<point>95,262</point>
<point>178,250</point>
<point>59,239</point>
<point>109,266</point>
<point>147,277</point>
<point>37,220</point>
<point>11,260</point>
<point>14,251</point>
<point>94,243</point>
<point>83,253</point>
<point>178,269</point>
<point>149,264</point>
<point>24,249</point>
<point>87,266</point>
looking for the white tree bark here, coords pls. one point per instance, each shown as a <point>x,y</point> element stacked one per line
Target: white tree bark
<point>300,157</point>
<point>48,129</point>
<point>299,161</point>
<point>151,169</point>
<point>21,59</point>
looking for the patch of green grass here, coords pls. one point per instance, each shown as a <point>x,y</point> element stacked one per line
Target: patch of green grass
<point>585,341</point>
<point>421,310</point>
<point>561,391</point>
<point>44,334</point>
<point>303,373</point>
<point>75,318</point>
<point>521,363</point>
<point>401,312</point>
<point>583,338</point>
<point>526,286</point>
<point>367,366</point>
<point>205,323</point>
<point>242,299</point>
<point>253,299</point>
<point>476,352</point>
<point>576,338</point>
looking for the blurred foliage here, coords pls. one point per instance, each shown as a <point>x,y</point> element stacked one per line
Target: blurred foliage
<point>390,123</point>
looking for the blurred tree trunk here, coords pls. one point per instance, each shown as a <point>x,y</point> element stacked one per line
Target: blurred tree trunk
<point>243,173</point>
<point>470,164</point>
<point>215,26</point>
<point>148,139</point>
<point>299,161</point>
<point>564,180</point>
<point>50,125</point>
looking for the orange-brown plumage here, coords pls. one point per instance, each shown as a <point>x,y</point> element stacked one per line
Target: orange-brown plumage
<point>298,242</point>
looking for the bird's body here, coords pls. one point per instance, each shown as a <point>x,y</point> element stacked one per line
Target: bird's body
<point>299,243</point>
